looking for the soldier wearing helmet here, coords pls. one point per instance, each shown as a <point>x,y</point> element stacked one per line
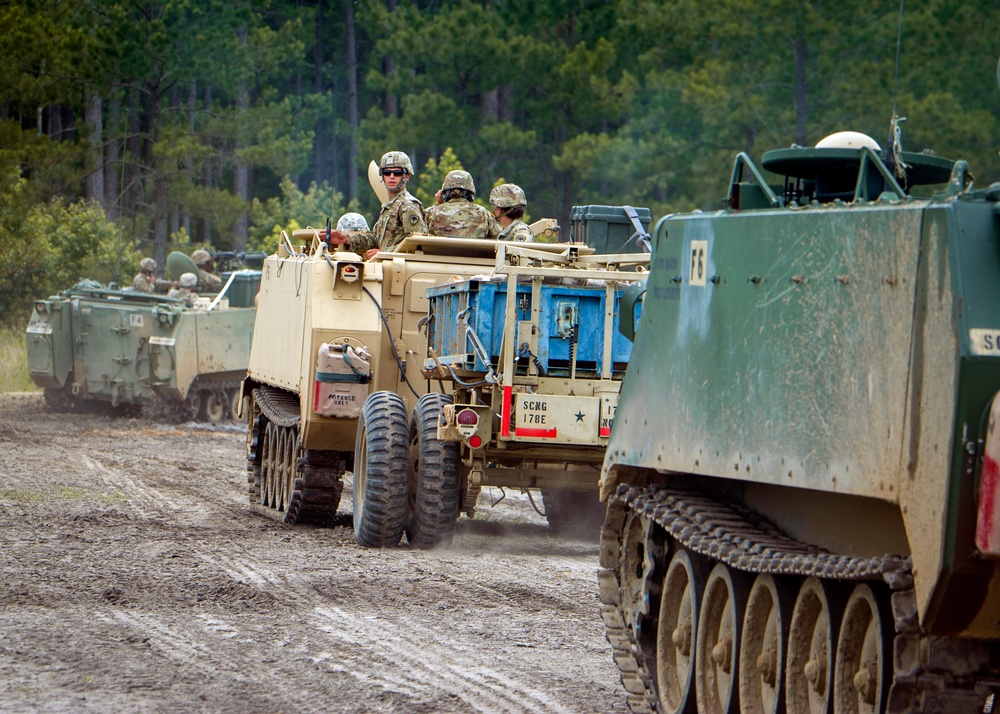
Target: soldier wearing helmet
<point>186,291</point>
<point>353,234</point>
<point>402,214</point>
<point>146,282</point>
<point>456,214</point>
<point>207,280</point>
<point>508,203</point>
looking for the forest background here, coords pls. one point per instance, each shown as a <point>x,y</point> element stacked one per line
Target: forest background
<point>130,128</point>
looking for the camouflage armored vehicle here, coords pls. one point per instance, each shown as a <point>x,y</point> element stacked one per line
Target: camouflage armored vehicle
<point>802,474</point>
<point>337,367</point>
<point>97,345</point>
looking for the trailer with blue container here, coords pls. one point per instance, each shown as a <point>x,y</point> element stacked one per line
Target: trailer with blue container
<point>530,360</point>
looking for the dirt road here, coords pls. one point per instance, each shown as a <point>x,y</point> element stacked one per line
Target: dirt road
<point>133,578</point>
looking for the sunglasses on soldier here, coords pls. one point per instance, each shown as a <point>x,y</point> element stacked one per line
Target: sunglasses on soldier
<point>393,172</point>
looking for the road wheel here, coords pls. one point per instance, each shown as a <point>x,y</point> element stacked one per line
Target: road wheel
<point>675,635</point>
<point>861,681</point>
<point>718,640</point>
<point>763,648</point>
<point>233,396</point>
<point>435,485</point>
<point>381,471</point>
<point>193,404</point>
<point>269,465</point>
<point>216,405</point>
<point>812,645</point>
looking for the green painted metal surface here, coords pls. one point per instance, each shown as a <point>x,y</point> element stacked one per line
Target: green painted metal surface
<point>828,347</point>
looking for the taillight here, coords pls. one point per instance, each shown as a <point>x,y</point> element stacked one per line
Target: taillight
<point>475,441</point>
<point>467,417</point>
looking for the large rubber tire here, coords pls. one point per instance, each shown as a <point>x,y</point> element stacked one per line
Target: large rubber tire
<point>381,471</point>
<point>435,485</point>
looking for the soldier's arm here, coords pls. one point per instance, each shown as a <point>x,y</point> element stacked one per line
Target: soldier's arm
<point>411,217</point>
<point>361,242</point>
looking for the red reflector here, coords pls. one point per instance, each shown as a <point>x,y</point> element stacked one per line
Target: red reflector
<point>475,441</point>
<point>467,417</point>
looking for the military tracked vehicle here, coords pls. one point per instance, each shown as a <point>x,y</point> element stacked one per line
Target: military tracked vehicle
<point>802,476</point>
<point>345,365</point>
<point>96,345</point>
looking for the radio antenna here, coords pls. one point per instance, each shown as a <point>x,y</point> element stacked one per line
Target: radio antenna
<point>895,158</point>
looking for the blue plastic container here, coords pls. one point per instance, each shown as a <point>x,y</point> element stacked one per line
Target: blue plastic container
<point>571,319</point>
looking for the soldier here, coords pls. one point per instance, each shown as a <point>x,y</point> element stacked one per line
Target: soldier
<point>402,214</point>
<point>186,291</point>
<point>457,215</point>
<point>146,282</point>
<point>353,234</point>
<point>508,203</point>
<point>207,280</point>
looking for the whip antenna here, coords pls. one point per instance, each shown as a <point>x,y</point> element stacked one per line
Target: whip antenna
<point>895,158</point>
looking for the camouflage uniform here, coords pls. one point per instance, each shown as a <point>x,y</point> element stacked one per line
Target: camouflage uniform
<point>186,291</point>
<point>507,196</point>
<point>517,231</point>
<point>207,281</point>
<point>145,282</point>
<point>359,242</point>
<point>352,234</point>
<point>462,218</point>
<point>400,216</point>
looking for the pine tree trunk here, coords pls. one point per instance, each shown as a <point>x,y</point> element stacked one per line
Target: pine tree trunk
<point>160,233</point>
<point>319,143</point>
<point>352,105</point>
<point>241,174</point>
<point>206,236</point>
<point>112,161</point>
<point>94,118</point>
<point>389,67</point>
<point>133,154</point>
<point>801,110</point>
<point>192,106</point>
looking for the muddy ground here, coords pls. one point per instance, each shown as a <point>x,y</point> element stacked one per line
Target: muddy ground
<point>133,578</point>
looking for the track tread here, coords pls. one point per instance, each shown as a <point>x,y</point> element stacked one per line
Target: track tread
<point>938,679</point>
<point>318,484</point>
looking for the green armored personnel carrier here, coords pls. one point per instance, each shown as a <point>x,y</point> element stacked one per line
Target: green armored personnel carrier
<point>802,475</point>
<point>93,345</point>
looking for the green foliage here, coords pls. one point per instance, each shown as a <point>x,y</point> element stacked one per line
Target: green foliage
<point>428,181</point>
<point>47,247</point>
<point>14,360</point>
<point>637,101</point>
<point>80,243</point>
<point>292,210</point>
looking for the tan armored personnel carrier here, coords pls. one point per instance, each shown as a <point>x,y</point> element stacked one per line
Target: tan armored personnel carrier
<point>339,364</point>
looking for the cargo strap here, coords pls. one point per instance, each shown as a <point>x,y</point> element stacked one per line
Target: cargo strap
<point>641,237</point>
<point>330,377</point>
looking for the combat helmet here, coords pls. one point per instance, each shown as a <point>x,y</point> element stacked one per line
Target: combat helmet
<point>508,195</point>
<point>188,280</point>
<point>201,257</point>
<point>459,179</point>
<point>147,265</point>
<point>352,222</point>
<point>396,159</point>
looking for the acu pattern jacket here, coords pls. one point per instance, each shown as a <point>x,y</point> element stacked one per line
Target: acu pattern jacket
<point>400,216</point>
<point>462,218</point>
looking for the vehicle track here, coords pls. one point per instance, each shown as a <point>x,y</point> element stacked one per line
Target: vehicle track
<point>134,578</point>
